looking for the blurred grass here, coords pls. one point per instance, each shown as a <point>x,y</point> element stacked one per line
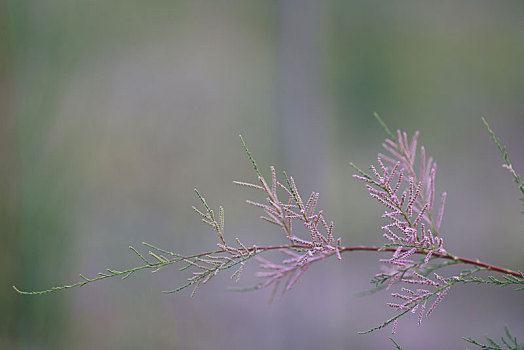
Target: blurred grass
<point>8,302</point>
<point>39,199</point>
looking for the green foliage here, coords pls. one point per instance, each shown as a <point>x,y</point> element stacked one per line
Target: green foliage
<point>250,156</point>
<point>206,264</point>
<point>301,253</point>
<point>396,344</point>
<point>507,280</point>
<point>421,301</point>
<point>360,171</point>
<point>384,125</point>
<point>381,280</point>
<point>502,149</point>
<point>509,343</point>
<point>160,262</point>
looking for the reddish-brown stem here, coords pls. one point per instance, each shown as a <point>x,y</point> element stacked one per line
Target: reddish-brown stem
<point>443,256</point>
<point>448,256</point>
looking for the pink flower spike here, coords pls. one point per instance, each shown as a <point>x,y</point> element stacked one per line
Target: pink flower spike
<point>264,184</point>
<point>383,201</point>
<point>246,184</point>
<point>408,253</point>
<point>389,238</point>
<point>405,141</point>
<point>297,276</point>
<point>337,251</point>
<point>440,279</point>
<point>431,238</point>
<point>399,180</point>
<point>391,143</point>
<point>414,196</point>
<point>431,194</point>
<point>300,241</point>
<point>274,182</point>
<point>421,214</point>
<point>441,210</point>
<point>439,298</point>
<point>330,237</point>
<point>393,151</point>
<point>403,199</point>
<point>358,177</point>
<point>428,256</point>
<point>290,253</point>
<point>394,328</point>
<point>272,221</point>
<point>393,280</point>
<point>400,141</point>
<point>375,172</point>
<point>413,146</point>
<point>379,193</point>
<point>386,158</point>
<point>421,313</point>
<point>422,280</point>
<point>406,290</point>
<point>260,205</point>
<point>427,172</point>
<point>402,296</point>
<point>397,238</point>
<point>311,203</point>
<point>422,165</point>
<point>397,252</point>
<point>392,174</point>
<point>382,167</point>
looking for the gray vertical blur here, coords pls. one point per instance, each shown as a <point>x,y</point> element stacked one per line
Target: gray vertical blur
<point>8,247</point>
<point>38,208</point>
<point>37,215</point>
<point>300,90</point>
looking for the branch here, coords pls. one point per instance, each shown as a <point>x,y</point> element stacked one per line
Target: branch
<point>485,266</point>
<point>162,262</point>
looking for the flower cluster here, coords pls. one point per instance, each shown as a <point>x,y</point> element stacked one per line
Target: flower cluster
<point>406,190</point>
<point>317,246</point>
<point>415,300</point>
<point>408,197</point>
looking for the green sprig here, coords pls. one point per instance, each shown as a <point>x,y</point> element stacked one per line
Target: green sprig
<point>250,156</point>
<point>507,280</point>
<point>384,125</point>
<point>396,344</point>
<point>360,171</point>
<point>510,343</point>
<point>464,273</point>
<point>502,149</point>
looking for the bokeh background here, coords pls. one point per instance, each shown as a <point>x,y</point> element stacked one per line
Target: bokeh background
<point>113,111</point>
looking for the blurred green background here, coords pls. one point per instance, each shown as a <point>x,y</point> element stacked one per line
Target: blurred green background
<point>113,111</point>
